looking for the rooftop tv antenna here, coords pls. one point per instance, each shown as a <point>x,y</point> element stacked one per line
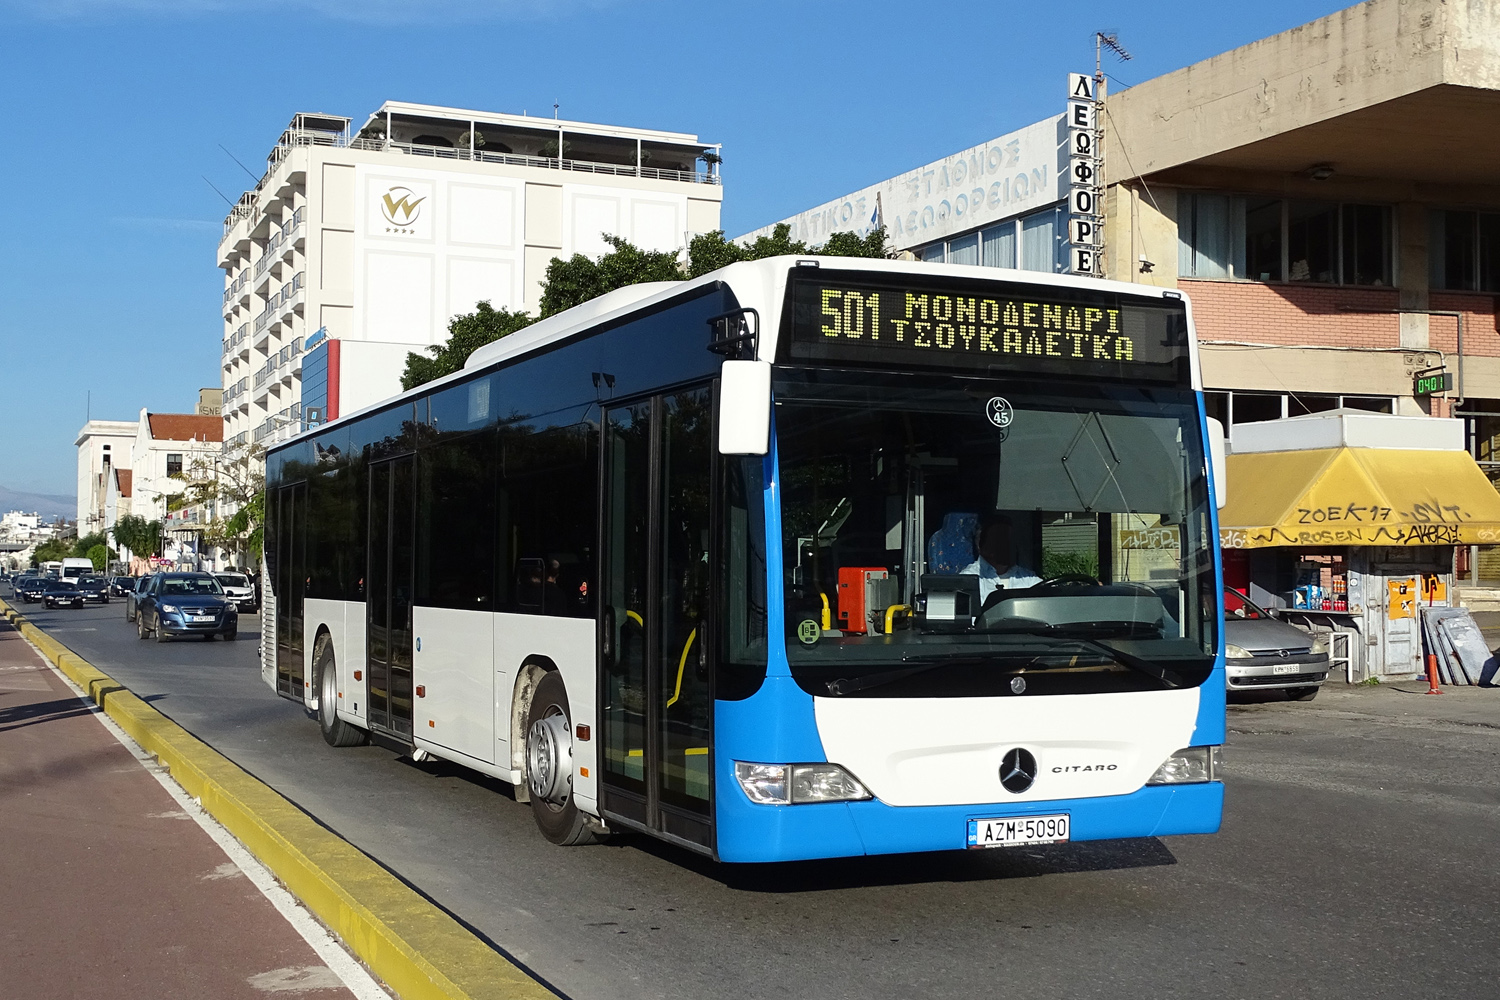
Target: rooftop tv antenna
<point>1107,40</point>
<point>555,106</point>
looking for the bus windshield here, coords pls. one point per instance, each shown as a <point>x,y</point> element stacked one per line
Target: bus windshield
<point>957,536</point>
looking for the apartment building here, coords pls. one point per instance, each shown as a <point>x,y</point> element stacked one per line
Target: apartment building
<point>363,240</point>
<point>165,449</point>
<point>103,446</point>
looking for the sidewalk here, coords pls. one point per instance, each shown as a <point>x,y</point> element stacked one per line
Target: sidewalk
<point>110,887</point>
<point>1403,701</point>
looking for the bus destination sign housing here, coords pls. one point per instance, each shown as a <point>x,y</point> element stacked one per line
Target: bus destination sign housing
<point>981,326</point>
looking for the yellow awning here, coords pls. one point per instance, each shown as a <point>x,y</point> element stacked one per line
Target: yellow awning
<point>1357,496</point>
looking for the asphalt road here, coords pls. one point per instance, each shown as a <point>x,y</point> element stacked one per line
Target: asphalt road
<point>1357,860</point>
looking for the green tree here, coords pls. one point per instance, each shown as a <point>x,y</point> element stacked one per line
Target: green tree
<point>52,550</point>
<point>248,523</point>
<point>711,251</point>
<point>82,546</point>
<point>140,536</point>
<point>465,333</point>
<point>230,484</point>
<point>99,556</point>
<point>872,244</point>
<point>570,282</point>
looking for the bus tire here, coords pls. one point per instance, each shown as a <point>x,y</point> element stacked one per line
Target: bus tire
<point>336,732</point>
<point>549,765</point>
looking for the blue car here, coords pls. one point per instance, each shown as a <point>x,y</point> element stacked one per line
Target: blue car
<point>179,604</point>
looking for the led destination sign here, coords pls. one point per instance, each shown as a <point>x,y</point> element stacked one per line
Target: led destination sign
<point>983,325</point>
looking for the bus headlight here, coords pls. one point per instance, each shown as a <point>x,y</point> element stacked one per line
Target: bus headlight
<point>1233,652</point>
<point>798,784</point>
<point>1188,766</point>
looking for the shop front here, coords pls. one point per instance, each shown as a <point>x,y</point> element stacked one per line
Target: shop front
<point>1347,522</point>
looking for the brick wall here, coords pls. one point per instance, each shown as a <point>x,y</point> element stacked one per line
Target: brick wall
<point>1481,323</point>
<point>1296,314</point>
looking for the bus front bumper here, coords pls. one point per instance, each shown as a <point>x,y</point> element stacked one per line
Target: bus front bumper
<point>748,832</point>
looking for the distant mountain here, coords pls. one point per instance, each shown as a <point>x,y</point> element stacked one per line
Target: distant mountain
<point>49,505</point>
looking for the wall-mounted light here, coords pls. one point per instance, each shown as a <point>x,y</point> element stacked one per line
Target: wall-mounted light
<point>1320,172</point>
<point>1146,265</point>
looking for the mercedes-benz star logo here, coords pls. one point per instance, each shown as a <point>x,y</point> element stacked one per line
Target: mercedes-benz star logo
<point>1017,770</point>
<point>999,412</point>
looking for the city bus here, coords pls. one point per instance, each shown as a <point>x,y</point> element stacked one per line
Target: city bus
<point>803,558</point>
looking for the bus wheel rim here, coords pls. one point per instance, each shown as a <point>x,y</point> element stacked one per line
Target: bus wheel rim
<point>549,759</point>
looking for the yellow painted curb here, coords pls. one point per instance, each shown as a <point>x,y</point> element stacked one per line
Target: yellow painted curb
<point>419,950</point>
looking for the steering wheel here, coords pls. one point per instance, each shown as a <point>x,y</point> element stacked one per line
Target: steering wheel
<point>1063,578</point>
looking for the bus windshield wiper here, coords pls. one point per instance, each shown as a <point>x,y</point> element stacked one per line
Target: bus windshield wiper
<point>850,685</point>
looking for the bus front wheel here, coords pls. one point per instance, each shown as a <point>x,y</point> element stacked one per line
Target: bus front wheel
<point>549,765</point>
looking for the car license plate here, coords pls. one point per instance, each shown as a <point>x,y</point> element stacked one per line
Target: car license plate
<point>1014,831</point>
<point>203,618</point>
<point>1286,668</point>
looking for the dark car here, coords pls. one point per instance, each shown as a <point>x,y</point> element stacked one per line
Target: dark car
<point>119,586</point>
<point>185,604</point>
<point>94,588</point>
<point>32,588</point>
<point>133,595</point>
<point>62,593</point>
<point>1262,653</point>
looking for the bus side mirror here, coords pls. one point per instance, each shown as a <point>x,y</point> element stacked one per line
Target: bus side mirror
<point>745,408</point>
<point>1217,464</point>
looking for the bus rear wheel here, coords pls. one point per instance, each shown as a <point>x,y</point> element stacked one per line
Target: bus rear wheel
<point>549,766</point>
<point>336,732</point>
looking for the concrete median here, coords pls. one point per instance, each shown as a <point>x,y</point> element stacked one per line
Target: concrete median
<point>420,951</point>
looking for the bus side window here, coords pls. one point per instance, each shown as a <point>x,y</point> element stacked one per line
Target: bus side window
<point>530,586</point>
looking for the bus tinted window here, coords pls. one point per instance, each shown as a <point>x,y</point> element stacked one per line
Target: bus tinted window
<point>456,521</point>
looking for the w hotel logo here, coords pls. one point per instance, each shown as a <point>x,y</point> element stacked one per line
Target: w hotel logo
<point>401,209</point>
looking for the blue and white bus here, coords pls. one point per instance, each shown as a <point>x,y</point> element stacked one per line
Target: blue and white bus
<point>804,558</point>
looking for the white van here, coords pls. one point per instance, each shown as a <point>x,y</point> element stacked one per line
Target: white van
<point>73,568</point>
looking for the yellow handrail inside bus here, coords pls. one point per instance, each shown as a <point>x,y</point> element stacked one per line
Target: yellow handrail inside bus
<point>827,613</point>
<point>638,620</point>
<point>681,666</point>
<point>890,615</point>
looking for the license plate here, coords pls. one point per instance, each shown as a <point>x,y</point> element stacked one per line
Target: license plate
<point>1286,668</point>
<point>1015,831</point>
<point>203,618</point>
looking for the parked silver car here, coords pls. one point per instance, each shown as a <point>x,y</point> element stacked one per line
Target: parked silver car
<point>1262,653</point>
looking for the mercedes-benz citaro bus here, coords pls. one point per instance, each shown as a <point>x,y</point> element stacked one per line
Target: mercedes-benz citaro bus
<point>804,558</point>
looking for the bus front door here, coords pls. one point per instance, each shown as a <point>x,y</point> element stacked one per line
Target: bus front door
<point>655,702</point>
<point>291,587</point>
<point>388,595</point>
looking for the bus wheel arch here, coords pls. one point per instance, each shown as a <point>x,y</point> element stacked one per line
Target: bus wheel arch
<point>336,732</point>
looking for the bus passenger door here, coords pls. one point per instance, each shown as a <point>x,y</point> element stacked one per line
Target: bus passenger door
<point>655,702</point>
<point>388,595</point>
<point>291,587</point>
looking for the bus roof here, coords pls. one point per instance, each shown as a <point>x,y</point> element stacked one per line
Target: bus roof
<point>757,283</point>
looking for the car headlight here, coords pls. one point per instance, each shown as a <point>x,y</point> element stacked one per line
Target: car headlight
<point>1233,652</point>
<point>798,784</point>
<point>1189,765</point>
<point>170,609</point>
<point>1320,643</point>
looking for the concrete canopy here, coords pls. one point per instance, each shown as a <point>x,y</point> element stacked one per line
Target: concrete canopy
<point>1388,90</point>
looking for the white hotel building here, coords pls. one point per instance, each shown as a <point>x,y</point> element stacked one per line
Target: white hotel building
<point>358,246</point>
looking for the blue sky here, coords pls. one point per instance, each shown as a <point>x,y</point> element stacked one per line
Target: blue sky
<point>115,111</point>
